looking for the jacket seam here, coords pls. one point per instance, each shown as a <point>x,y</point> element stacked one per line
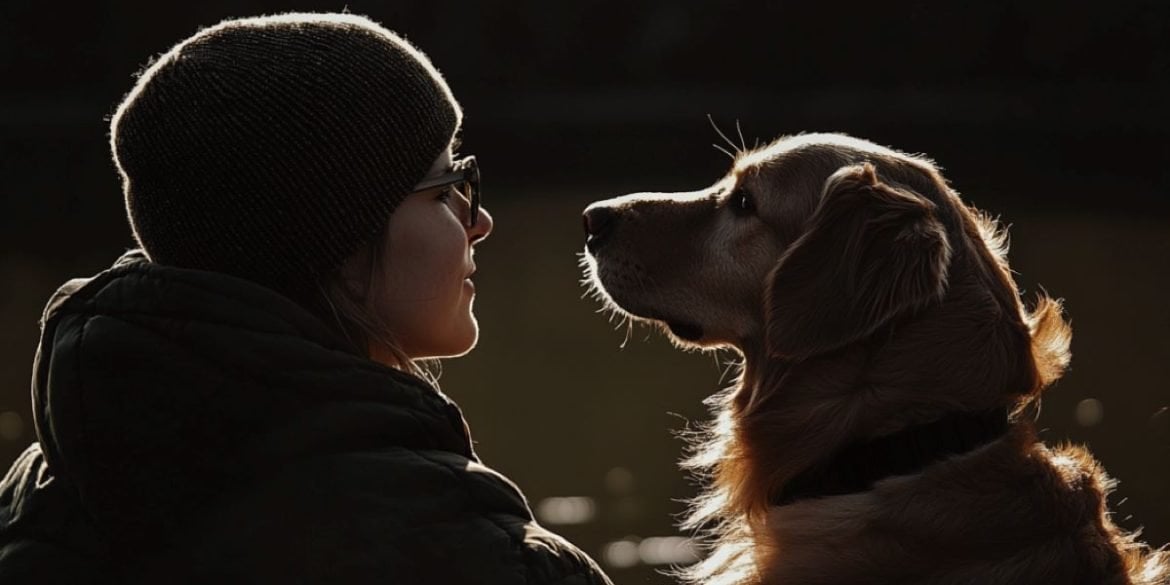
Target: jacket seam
<point>83,444</point>
<point>518,543</point>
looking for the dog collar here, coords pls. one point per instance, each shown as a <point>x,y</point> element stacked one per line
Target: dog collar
<point>856,467</point>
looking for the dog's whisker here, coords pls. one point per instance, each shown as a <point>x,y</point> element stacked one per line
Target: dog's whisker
<point>724,151</point>
<point>723,136</point>
<point>629,332</point>
<point>739,130</point>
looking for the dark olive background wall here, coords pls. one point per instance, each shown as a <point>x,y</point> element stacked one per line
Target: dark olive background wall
<point>1050,114</point>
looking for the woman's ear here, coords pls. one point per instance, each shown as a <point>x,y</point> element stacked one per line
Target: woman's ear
<point>871,251</point>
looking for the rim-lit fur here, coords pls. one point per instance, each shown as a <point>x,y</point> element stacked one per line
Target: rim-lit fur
<point>864,297</point>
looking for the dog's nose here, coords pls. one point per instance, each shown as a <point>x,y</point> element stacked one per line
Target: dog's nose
<point>597,219</point>
<point>597,222</point>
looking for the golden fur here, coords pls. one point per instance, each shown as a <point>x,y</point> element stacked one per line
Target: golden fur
<point>864,297</point>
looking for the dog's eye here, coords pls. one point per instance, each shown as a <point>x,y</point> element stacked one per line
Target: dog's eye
<point>741,202</point>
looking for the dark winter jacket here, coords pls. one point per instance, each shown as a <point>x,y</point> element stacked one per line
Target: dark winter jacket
<point>195,427</point>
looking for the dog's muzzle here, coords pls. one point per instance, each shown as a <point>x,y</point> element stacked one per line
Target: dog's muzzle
<point>600,224</point>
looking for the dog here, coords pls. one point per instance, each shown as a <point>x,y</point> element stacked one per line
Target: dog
<point>878,430</point>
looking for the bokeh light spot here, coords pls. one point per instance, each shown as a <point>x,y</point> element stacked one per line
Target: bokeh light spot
<point>1090,412</point>
<point>566,510</point>
<point>619,480</point>
<point>667,550</point>
<point>621,554</point>
<point>11,426</point>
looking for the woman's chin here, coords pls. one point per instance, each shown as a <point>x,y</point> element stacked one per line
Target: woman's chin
<point>458,344</point>
<point>469,340</point>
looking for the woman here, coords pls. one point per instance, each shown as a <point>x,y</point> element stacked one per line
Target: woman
<point>239,400</point>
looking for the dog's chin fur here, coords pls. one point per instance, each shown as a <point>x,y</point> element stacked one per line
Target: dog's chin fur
<point>936,327</point>
<point>682,333</point>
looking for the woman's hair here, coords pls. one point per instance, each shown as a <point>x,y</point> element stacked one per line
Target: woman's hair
<point>353,316</point>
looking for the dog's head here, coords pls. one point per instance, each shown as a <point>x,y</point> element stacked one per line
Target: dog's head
<point>809,245</point>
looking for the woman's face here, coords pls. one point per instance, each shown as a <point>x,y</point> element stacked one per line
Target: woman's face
<point>425,293</point>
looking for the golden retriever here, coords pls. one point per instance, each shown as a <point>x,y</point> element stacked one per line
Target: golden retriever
<point>877,430</point>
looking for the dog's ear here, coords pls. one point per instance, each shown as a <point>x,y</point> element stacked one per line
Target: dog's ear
<point>871,251</point>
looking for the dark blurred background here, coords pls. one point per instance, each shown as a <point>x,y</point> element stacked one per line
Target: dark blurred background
<point>1050,114</point>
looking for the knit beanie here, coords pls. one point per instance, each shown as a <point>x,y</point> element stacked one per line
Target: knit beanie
<point>272,148</point>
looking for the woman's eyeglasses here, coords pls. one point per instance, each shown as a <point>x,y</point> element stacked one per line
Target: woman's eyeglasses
<point>465,173</point>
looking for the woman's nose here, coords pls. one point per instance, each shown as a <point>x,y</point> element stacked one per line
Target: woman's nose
<point>483,226</point>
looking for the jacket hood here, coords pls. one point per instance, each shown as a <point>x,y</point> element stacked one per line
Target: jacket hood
<point>156,389</point>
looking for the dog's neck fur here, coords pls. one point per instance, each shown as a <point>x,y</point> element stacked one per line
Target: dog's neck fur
<point>856,466</point>
<point>820,427</point>
<point>795,416</point>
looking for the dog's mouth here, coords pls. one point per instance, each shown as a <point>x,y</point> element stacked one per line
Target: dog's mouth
<point>685,331</point>
<point>616,296</point>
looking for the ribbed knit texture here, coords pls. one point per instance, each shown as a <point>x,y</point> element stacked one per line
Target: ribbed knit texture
<point>271,148</point>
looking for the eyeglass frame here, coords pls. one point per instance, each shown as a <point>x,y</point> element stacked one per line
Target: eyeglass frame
<point>464,170</point>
